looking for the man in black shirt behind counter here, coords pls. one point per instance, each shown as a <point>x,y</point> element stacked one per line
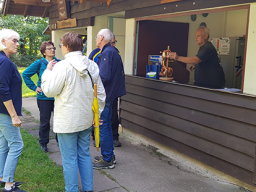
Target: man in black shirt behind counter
<point>208,72</point>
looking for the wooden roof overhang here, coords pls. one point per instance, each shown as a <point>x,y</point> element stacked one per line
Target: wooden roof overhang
<point>38,8</point>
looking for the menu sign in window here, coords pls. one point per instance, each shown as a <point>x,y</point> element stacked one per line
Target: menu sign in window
<point>62,9</point>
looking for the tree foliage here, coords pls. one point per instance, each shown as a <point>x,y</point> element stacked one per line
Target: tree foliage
<point>30,30</point>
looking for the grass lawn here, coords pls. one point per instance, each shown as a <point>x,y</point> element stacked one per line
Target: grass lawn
<point>36,170</point>
<point>26,92</point>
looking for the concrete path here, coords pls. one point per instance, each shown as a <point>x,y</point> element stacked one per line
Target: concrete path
<point>138,169</point>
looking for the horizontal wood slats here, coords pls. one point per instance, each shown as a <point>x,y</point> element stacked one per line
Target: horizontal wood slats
<point>180,135</point>
<point>218,126</point>
<point>226,167</point>
<point>225,125</point>
<point>181,6</point>
<point>172,116</point>
<point>194,91</point>
<point>229,111</point>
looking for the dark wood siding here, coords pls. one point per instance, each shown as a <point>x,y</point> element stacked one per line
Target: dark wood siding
<point>138,8</point>
<point>213,127</point>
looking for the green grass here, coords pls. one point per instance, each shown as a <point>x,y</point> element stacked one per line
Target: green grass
<point>25,111</point>
<point>26,92</point>
<point>36,170</point>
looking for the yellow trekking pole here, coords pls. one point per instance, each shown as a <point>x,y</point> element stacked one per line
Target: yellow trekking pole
<point>95,108</point>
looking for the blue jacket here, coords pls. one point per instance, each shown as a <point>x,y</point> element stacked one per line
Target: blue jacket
<point>111,72</point>
<point>10,84</point>
<point>94,55</point>
<point>32,70</point>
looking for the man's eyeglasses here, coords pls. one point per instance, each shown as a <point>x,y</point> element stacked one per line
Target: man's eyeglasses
<point>54,48</point>
<point>113,42</point>
<point>97,36</point>
<point>60,45</point>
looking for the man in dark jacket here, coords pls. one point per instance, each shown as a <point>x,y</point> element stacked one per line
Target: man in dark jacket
<point>114,119</point>
<point>113,79</point>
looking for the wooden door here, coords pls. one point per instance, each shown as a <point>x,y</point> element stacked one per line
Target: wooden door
<point>156,36</point>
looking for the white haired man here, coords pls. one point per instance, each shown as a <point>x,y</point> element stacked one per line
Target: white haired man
<point>113,79</point>
<point>208,72</point>
<point>114,119</point>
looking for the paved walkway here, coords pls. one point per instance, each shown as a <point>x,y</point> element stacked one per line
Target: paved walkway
<point>138,168</point>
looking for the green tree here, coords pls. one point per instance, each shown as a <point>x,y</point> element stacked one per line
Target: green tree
<point>30,30</point>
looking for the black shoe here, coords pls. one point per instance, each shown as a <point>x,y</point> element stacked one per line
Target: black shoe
<point>102,164</point>
<point>17,184</point>
<point>14,188</point>
<point>116,143</point>
<point>98,158</point>
<point>44,148</point>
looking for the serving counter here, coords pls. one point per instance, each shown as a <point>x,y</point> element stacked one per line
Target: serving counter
<point>214,127</point>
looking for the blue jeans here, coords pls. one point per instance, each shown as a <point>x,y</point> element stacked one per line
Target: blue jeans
<point>106,136</point>
<point>11,146</point>
<point>75,154</point>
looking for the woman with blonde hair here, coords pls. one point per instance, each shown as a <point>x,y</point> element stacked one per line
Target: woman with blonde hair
<point>11,144</point>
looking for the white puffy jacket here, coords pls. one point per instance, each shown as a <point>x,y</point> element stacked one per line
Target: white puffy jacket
<point>71,86</point>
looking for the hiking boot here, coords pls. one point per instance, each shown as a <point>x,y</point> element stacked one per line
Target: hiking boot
<point>44,148</point>
<point>14,188</point>
<point>98,158</point>
<point>81,190</point>
<point>17,184</point>
<point>102,164</point>
<point>116,143</point>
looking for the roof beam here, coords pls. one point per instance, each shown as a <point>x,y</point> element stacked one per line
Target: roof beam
<point>168,1</point>
<point>6,7</point>
<point>32,2</point>
<point>100,1</point>
<point>45,12</point>
<point>26,11</point>
<point>108,2</point>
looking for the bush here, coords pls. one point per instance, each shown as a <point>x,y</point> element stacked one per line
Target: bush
<point>23,60</point>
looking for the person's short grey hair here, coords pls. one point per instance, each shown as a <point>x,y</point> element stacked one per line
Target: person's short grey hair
<point>206,31</point>
<point>107,34</point>
<point>7,34</point>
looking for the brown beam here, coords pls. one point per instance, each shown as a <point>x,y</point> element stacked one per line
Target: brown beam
<point>234,8</point>
<point>6,5</point>
<point>168,1</point>
<point>26,11</point>
<point>108,2</point>
<point>181,6</point>
<point>32,2</point>
<point>45,12</point>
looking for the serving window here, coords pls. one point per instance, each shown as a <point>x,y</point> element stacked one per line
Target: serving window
<point>228,29</point>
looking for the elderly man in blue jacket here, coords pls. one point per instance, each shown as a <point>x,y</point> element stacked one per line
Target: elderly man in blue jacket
<point>113,79</point>
<point>114,119</point>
